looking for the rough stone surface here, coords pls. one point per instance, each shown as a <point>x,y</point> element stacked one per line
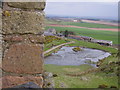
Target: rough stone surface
<point>11,38</point>
<point>0,20</point>
<point>24,38</point>
<point>48,80</point>
<point>36,39</point>
<point>12,81</point>
<point>28,85</point>
<point>23,58</point>
<point>23,22</point>
<point>28,5</point>
<point>47,75</point>
<point>22,44</point>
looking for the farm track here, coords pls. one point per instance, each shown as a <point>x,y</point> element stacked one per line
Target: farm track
<point>57,47</point>
<point>105,29</point>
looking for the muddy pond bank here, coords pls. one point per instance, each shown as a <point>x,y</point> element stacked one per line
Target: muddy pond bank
<point>66,56</point>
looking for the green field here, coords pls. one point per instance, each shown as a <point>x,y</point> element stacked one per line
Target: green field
<point>90,25</point>
<point>91,80</point>
<point>81,24</point>
<point>102,35</point>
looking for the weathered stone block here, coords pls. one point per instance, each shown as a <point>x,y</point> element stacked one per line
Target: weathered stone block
<point>23,38</point>
<point>22,46</point>
<point>0,20</point>
<point>27,85</point>
<point>23,59</point>
<point>28,5</point>
<point>10,38</point>
<point>37,39</point>
<point>11,81</point>
<point>23,22</point>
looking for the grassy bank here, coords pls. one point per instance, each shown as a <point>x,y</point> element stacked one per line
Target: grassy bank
<point>105,77</point>
<point>93,45</point>
<point>91,80</point>
<point>51,41</point>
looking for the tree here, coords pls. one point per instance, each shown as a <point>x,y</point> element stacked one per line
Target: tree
<point>66,33</point>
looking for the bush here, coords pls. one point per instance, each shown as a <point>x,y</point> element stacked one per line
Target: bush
<point>49,39</point>
<point>113,87</point>
<point>103,86</point>
<point>76,49</point>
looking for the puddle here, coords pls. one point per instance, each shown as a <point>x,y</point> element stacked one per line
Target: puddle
<point>66,56</point>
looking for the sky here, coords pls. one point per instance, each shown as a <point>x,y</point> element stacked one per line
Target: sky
<point>103,10</point>
<point>82,0</point>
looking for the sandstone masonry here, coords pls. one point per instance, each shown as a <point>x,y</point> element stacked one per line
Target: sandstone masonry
<point>22,47</point>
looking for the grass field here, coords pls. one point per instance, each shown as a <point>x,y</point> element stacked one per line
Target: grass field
<point>91,80</point>
<point>96,34</point>
<point>89,25</point>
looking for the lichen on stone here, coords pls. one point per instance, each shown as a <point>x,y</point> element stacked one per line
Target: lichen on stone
<point>6,13</point>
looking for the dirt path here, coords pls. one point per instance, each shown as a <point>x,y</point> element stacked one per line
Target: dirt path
<point>57,47</point>
<point>105,29</point>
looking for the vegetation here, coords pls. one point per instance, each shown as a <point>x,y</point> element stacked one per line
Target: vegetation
<point>67,76</point>
<point>93,45</point>
<point>90,80</point>
<point>106,75</point>
<point>89,25</point>
<point>76,49</point>
<point>51,41</point>
<point>82,24</point>
<point>66,33</point>
<point>53,51</point>
<point>97,34</point>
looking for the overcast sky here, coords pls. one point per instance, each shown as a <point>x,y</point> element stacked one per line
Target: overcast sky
<point>105,10</point>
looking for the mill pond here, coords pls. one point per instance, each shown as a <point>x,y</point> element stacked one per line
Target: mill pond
<point>66,56</point>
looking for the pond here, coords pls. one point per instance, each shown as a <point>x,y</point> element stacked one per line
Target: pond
<point>66,56</point>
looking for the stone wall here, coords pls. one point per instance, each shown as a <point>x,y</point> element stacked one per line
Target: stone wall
<point>22,31</point>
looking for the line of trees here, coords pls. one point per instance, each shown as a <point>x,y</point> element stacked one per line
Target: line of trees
<point>66,33</point>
